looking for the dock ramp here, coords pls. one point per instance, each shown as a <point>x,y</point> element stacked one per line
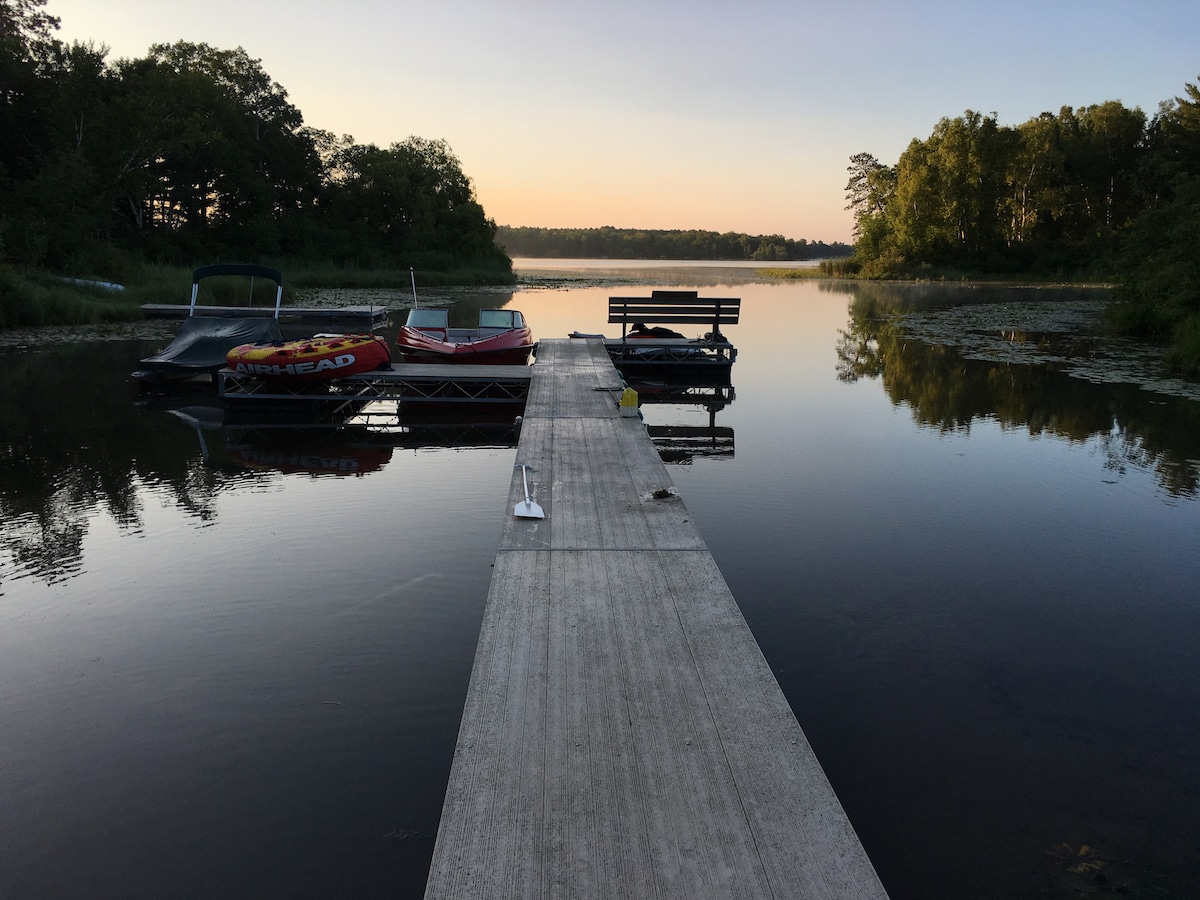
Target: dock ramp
<point>623,736</point>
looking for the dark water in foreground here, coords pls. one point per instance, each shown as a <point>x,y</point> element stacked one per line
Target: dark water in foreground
<point>976,578</point>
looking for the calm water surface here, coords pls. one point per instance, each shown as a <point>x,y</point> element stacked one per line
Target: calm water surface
<point>235,667</point>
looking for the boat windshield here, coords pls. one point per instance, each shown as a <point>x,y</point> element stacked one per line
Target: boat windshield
<point>500,318</point>
<point>428,318</point>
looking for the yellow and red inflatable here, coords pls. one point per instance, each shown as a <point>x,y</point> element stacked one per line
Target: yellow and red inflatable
<point>312,359</point>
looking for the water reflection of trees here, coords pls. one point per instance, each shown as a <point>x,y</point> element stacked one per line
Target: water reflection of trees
<point>949,392</point>
<point>73,441</point>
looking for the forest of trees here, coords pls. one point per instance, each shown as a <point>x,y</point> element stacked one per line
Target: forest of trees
<point>1100,192</point>
<point>193,153</point>
<point>629,243</point>
<point>1053,192</point>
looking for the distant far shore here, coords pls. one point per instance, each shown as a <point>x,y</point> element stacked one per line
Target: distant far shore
<point>660,245</point>
<point>555,262</point>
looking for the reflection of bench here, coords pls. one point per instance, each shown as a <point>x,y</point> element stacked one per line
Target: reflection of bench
<point>675,308</point>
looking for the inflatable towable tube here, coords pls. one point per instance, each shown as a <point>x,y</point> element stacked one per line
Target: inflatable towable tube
<point>312,359</point>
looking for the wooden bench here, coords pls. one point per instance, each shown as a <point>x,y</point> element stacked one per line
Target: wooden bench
<point>675,308</point>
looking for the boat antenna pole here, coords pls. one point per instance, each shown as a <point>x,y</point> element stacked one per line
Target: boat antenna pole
<point>413,276</point>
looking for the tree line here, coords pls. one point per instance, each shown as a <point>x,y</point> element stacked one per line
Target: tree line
<point>195,153</point>
<point>629,243</point>
<point>1100,192</point>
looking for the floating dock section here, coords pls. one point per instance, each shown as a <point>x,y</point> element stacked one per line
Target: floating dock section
<point>402,382</point>
<point>623,736</point>
<point>362,316</point>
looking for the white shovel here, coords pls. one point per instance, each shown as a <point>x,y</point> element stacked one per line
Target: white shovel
<point>527,509</point>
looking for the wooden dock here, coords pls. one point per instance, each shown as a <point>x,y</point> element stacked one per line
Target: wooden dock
<point>622,735</point>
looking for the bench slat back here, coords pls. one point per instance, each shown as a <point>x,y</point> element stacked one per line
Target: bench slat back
<point>674,308</point>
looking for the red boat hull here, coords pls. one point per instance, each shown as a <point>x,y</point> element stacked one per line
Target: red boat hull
<point>509,348</point>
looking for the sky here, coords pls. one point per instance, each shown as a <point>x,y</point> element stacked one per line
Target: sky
<point>723,115</point>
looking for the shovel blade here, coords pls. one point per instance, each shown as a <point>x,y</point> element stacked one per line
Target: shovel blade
<point>527,509</point>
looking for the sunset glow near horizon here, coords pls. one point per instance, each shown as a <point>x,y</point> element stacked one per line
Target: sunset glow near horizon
<point>719,116</point>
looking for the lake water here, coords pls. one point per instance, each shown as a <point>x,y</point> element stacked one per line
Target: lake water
<point>963,533</point>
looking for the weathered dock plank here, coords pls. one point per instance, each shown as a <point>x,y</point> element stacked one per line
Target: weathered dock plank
<point>622,735</point>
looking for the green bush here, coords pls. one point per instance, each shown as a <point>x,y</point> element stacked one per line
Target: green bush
<point>1184,354</point>
<point>1159,294</point>
<point>18,307</point>
<point>38,298</point>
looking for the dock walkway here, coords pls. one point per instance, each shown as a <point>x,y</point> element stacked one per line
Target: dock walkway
<point>623,736</point>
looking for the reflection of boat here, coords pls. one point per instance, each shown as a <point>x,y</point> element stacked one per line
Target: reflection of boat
<point>679,443</point>
<point>334,459</point>
<point>364,445</point>
<point>502,338</point>
<point>200,345</point>
<point>318,358</point>
<point>711,397</point>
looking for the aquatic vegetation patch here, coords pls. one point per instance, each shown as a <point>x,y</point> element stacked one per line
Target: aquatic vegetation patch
<point>1066,335</point>
<point>56,335</point>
